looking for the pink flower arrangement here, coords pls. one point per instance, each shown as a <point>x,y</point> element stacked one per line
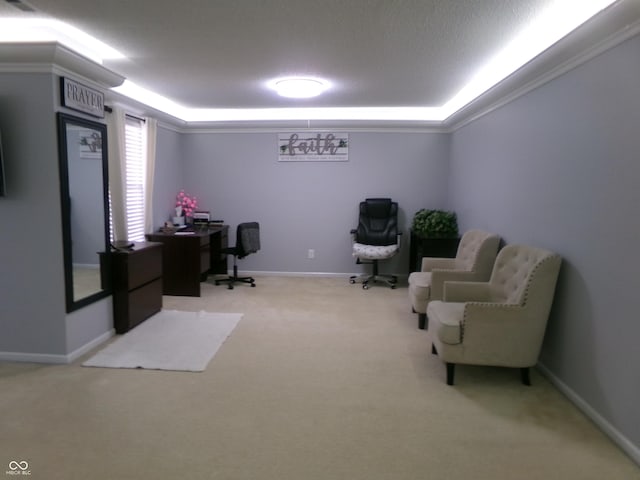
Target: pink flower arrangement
<point>188,203</point>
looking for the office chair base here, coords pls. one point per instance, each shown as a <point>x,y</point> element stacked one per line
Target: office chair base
<point>390,280</point>
<point>232,279</point>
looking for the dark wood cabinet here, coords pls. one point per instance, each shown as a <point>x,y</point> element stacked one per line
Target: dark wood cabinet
<point>137,284</point>
<point>188,257</point>
<point>430,247</point>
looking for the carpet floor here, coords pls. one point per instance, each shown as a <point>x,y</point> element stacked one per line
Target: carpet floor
<point>320,380</point>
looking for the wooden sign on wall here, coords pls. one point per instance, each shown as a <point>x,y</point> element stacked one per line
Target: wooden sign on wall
<point>313,147</point>
<point>79,97</point>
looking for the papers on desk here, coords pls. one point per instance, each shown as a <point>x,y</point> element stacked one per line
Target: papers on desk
<point>185,233</point>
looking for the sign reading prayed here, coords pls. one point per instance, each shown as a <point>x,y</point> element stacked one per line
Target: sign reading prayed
<point>82,98</point>
<point>313,147</point>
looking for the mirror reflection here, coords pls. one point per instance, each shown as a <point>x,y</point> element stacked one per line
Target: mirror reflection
<point>84,208</point>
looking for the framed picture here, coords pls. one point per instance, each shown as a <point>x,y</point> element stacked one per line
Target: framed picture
<point>90,144</point>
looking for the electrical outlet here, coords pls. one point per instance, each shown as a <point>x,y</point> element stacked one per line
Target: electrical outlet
<point>311,253</point>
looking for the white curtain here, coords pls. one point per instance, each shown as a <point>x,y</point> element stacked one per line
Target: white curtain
<point>151,126</point>
<point>117,171</point>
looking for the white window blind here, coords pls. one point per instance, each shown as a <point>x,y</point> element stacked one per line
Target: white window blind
<point>135,178</point>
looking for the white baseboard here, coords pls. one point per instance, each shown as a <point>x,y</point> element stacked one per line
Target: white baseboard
<point>33,357</point>
<point>614,434</point>
<point>59,359</point>
<point>401,276</point>
<point>90,345</point>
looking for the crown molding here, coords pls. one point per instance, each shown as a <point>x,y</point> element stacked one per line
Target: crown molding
<point>52,57</point>
<point>618,23</point>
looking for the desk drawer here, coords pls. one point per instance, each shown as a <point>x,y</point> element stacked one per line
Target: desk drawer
<point>144,266</point>
<point>139,305</point>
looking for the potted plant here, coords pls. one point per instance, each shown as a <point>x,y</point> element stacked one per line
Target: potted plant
<point>435,224</point>
<point>434,233</point>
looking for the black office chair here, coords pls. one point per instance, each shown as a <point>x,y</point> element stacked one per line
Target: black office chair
<point>376,238</point>
<point>247,241</point>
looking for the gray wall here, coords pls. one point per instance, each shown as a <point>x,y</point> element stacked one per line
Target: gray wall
<point>32,310</point>
<point>168,177</point>
<point>34,324</point>
<point>558,168</point>
<point>313,205</point>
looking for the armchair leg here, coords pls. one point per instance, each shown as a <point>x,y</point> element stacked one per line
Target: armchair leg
<point>524,372</point>
<point>450,371</point>
<point>422,321</point>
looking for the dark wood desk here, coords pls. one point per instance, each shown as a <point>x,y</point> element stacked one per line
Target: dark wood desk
<point>188,259</point>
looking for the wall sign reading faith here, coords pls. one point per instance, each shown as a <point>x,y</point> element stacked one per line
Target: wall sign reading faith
<point>313,147</point>
<point>79,97</point>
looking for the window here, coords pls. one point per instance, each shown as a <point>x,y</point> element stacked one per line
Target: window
<point>135,178</point>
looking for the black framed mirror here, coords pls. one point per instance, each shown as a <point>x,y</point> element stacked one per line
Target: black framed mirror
<point>82,146</point>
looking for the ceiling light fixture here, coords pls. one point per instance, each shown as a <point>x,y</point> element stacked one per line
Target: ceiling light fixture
<point>299,87</point>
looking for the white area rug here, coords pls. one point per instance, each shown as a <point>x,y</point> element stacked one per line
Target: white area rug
<point>169,340</point>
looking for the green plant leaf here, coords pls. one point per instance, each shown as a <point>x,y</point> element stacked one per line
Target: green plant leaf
<point>435,223</point>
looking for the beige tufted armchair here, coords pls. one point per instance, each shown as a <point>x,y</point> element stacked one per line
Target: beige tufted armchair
<point>474,261</point>
<point>500,322</point>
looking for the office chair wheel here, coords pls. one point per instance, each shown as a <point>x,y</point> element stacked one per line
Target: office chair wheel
<point>365,286</point>
<point>352,281</point>
<point>393,287</point>
<point>253,284</point>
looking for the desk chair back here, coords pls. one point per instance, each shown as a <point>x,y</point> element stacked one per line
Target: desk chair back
<point>247,242</point>
<point>377,222</point>
<point>247,239</point>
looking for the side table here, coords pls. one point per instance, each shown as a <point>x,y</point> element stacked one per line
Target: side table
<point>430,247</point>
